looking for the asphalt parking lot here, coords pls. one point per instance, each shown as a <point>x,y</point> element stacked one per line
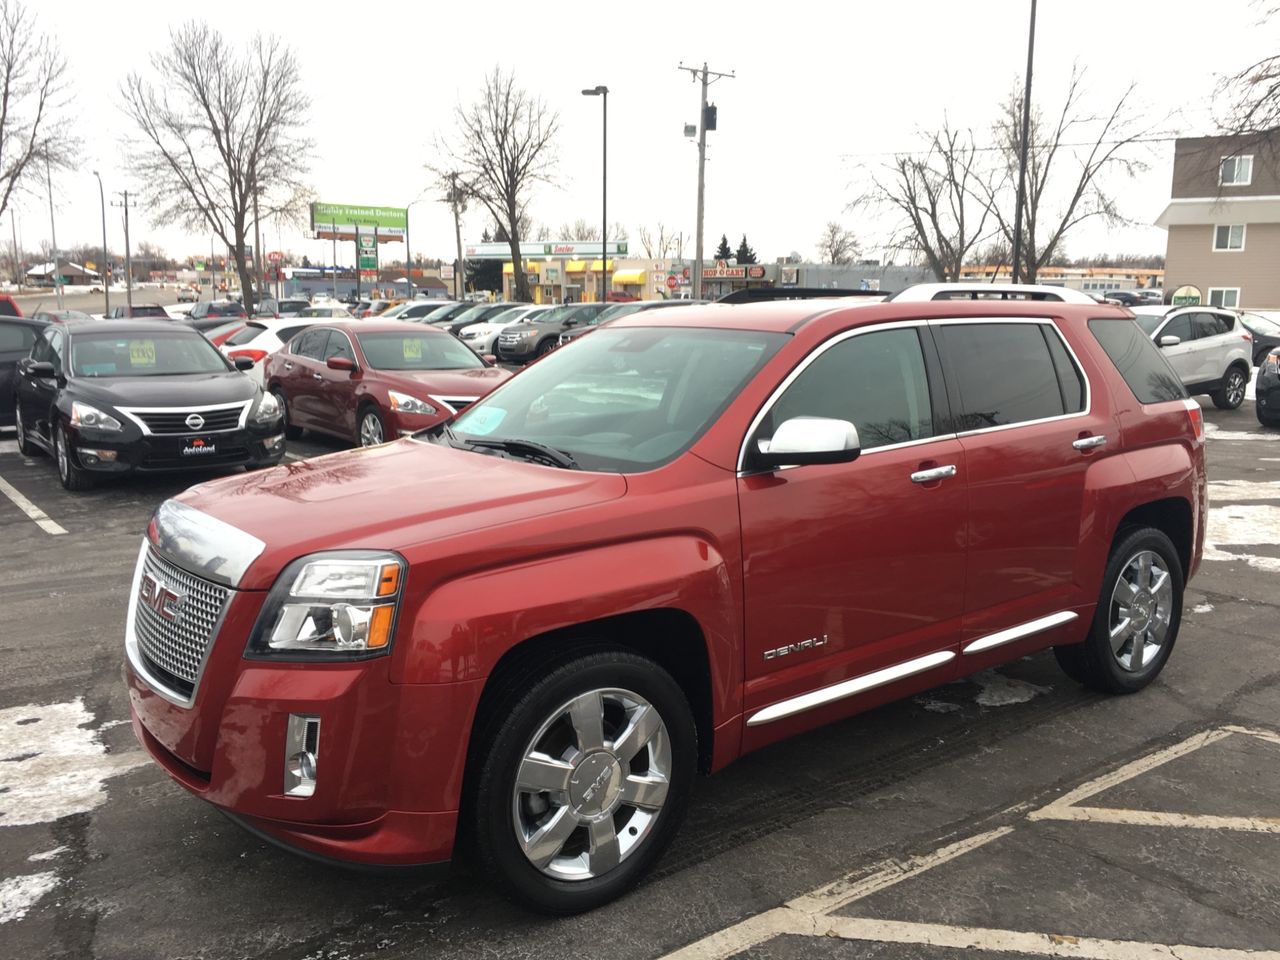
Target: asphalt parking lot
<point>1007,816</point>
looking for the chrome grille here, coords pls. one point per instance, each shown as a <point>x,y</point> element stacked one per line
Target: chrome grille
<point>175,421</point>
<point>178,647</point>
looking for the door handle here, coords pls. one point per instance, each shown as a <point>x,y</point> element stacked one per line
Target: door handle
<point>936,473</point>
<point>316,376</point>
<point>1088,443</point>
<point>288,365</point>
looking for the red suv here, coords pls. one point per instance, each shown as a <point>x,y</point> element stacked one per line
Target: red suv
<point>375,380</point>
<point>691,534</point>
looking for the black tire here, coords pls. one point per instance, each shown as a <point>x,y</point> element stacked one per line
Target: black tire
<point>1231,395</point>
<point>366,412</point>
<point>25,446</point>
<point>508,734</point>
<point>1265,420</point>
<point>1094,663</point>
<point>545,347</point>
<point>72,476</point>
<point>290,432</point>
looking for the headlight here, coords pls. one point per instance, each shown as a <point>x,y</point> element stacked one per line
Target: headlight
<point>331,607</point>
<point>528,333</point>
<point>403,403</point>
<point>85,416</point>
<point>268,409</point>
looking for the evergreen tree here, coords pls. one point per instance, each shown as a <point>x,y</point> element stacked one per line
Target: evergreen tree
<point>487,274</point>
<point>745,253</point>
<point>723,252</point>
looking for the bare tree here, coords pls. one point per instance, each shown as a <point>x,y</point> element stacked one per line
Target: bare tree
<point>1248,101</point>
<point>1064,180</point>
<point>505,145</point>
<point>936,195</point>
<point>837,245</point>
<point>35,133</point>
<point>221,143</point>
<point>657,247</point>
<point>579,230</point>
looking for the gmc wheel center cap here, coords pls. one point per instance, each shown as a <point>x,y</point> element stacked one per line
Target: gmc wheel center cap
<point>1142,610</point>
<point>595,784</point>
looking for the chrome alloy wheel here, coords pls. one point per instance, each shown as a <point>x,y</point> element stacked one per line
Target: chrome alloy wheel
<point>64,456</point>
<point>591,784</point>
<point>1141,611</point>
<point>1235,388</point>
<point>370,430</point>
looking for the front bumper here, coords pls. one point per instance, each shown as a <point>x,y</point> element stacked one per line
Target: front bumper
<point>523,349</point>
<point>1268,395</point>
<point>121,452</point>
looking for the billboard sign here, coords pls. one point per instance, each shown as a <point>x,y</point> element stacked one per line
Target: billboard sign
<point>344,221</point>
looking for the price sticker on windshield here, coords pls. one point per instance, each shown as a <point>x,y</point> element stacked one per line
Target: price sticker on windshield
<point>142,353</point>
<point>412,349</point>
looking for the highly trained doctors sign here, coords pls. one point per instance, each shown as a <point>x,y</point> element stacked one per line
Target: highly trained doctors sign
<point>344,221</point>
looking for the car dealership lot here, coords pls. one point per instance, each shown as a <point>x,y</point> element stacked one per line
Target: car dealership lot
<point>944,821</point>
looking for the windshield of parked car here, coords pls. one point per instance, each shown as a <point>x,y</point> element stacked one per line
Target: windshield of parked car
<point>323,312</point>
<point>622,400</point>
<point>149,354</point>
<point>1149,321</point>
<point>1260,324</point>
<point>392,312</point>
<point>416,351</point>
<point>250,331</point>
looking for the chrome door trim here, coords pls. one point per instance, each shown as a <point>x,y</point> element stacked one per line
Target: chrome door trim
<point>1088,443</point>
<point>1001,637</point>
<point>848,688</point>
<point>936,473</point>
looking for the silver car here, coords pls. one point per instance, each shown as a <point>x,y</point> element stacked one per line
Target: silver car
<point>1208,348</point>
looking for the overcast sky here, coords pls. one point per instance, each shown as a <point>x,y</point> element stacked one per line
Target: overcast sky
<point>822,93</point>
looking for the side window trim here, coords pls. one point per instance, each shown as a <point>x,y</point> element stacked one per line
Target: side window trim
<point>937,397</point>
<point>1042,322</point>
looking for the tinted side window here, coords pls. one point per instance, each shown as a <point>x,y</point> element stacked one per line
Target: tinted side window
<point>1143,367</point>
<point>1003,372</point>
<point>876,381</point>
<point>15,337</point>
<point>339,346</point>
<point>1179,327</point>
<point>1070,379</point>
<point>310,344</point>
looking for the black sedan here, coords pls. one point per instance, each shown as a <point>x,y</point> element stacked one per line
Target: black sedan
<point>109,397</point>
<point>17,336</point>
<point>1266,334</point>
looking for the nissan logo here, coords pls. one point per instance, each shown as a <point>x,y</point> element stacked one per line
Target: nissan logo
<point>195,421</point>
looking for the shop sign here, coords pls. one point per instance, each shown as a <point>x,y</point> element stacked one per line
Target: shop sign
<point>722,271</point>
<point>755,272</point>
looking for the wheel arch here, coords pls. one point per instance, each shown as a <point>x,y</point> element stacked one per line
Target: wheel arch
<point>1172,517</point>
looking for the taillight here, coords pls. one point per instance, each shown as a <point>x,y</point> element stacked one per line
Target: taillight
<point>1272,363</point>
<point>1196,416</point>
<point>1247,337</point>
<point>257,356</point>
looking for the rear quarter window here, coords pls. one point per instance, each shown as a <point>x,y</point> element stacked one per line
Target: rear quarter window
<point>1138,361</point>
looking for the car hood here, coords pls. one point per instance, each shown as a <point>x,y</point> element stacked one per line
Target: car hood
<point>446,383</point>
<point>188,390</point>
<point>391,497</point>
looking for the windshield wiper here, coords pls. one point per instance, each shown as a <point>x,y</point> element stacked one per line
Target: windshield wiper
<point>514,445</point>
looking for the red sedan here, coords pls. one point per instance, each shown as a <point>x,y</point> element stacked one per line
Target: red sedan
<point>375,380</point>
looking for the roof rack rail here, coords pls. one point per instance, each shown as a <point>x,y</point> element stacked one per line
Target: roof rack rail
<point>761,294</point>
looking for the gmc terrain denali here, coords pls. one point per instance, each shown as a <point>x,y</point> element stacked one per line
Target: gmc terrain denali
<point>689,535</point>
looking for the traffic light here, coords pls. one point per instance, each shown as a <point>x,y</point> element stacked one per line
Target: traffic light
<point>709,117</point>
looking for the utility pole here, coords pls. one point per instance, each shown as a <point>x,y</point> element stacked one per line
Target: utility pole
<point>1022,160</point>
<point>707,77</point>
<point>257,249</point>
<point>102,267</point>
<point>53,236</point>
<point>457,200</point>
<point>17,267</point>
<point>128,257</point>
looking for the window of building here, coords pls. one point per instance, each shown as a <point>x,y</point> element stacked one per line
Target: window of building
<point>1228,237</point>
<point>1224,297</point>
<point>1236,171</point>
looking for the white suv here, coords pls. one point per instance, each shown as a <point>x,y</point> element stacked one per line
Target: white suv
<point>1207,347</point>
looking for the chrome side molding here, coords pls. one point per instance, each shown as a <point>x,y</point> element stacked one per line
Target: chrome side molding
<point>847,688</point>
<point>1022,630</point>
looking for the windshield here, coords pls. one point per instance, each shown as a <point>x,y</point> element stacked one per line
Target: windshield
<point>395,311</point>
<point>623,400</point>
<point>1260,324</point>
<point>244,336</point>
<point>323,312</point>
<point>417,351</point>
<point>1148,321</point>
<point>149,354</point>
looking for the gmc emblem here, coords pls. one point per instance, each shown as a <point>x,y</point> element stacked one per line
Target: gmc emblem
<point>160,598</point>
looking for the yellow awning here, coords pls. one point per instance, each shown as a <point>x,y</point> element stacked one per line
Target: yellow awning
<point>578,266</point>
<point>528,268</point>
<point>629,276</point>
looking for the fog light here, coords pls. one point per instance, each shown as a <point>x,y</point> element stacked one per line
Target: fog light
<point>94,456</point>
<point>274,443</point>
<point>301,755</point>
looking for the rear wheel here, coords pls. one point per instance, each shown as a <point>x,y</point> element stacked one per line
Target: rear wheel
<point>583,780</point>
<point>1231,393</point>
<point>371,430</point>
<point>1265,419</point>
<point>290,432</point>
<point>25,446</point>
<point>1137,619</point>
<point>72,477</point>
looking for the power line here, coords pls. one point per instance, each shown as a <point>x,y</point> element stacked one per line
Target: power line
<point>1163,138</point>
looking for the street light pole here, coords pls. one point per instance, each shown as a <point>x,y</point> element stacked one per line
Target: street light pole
<point>102,267</point>
<point>53,235</point>
<point>1020,202</point>
<point>603,92</point>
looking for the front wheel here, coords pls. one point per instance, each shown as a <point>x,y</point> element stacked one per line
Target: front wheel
<point>1137,619</point>
<point>583,781</point>
<point>72,476</point>
<point>371,431</point>
<point>25,446</point>
<point>1231,394</point>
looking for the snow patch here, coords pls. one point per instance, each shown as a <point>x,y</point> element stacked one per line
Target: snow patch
<point>19,894</point>
<point>1001,691</point>
<point>52,765</point>
<point>1202,608</point>
<point>1214,432</point>
<point>937,706</point>
<point>1244,490</point>
<point>48,854</point>
<point>1241,525</point>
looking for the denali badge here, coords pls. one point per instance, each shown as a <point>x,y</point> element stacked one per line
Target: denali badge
<point>160,598</point>
<point>796,647</point>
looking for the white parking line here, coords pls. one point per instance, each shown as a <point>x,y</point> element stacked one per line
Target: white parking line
<point>8,446</point>
<point>30,509</point>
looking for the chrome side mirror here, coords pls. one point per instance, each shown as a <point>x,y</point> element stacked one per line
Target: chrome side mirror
<point>808,440</point>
